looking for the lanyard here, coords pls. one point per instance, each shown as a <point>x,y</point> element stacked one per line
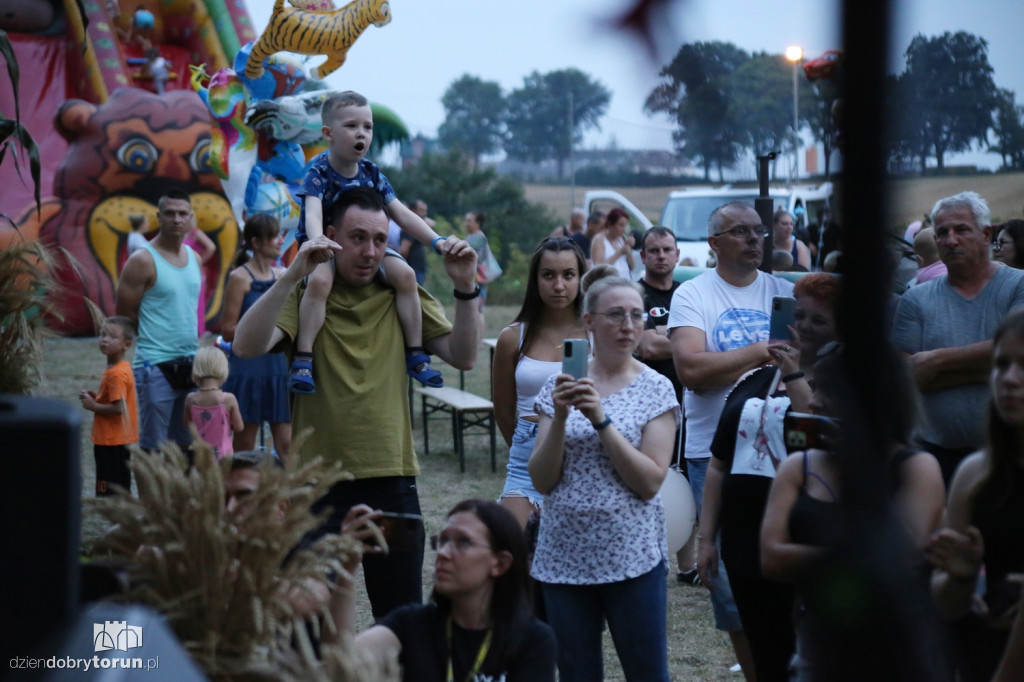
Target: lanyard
<point>480,655</point>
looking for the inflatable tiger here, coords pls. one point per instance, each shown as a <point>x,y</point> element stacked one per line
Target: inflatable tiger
<point>316,33</point>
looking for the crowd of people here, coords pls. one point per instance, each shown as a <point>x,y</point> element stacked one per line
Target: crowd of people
<point>676,374</point>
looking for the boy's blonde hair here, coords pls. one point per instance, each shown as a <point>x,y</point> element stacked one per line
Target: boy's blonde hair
<point>210,363</point>
<point>125,324</point>
<point>336,101</point>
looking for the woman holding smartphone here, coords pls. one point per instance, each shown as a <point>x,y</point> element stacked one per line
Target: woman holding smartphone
<point>604,443</point>
<point>804,514</point>
<point>528,352</point>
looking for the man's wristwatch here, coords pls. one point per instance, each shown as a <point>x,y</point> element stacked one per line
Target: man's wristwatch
<point>467,297</point>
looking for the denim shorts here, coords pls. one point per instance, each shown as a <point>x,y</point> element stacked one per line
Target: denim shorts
<point>518,483</point>
<point>727,616</point>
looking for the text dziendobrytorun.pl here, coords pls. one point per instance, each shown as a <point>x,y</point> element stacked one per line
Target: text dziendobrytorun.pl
<point>86,664</point>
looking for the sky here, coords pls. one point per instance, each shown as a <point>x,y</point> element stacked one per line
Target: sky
<point>408,64</point>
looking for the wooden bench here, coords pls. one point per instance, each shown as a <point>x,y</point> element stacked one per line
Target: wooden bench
<point>467,410</point>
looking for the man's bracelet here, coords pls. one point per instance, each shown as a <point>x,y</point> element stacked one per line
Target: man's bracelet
<point>436,240</point>
<point>466,297</point>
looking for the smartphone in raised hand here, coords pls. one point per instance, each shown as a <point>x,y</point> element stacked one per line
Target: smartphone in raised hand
<point>575,353</point>
<point>403,532</point>
<point>783,310</point>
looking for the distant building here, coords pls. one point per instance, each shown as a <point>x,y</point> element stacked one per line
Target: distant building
<point>612,161</point>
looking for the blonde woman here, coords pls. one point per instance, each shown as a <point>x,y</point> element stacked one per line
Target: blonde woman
<point>604,443</point>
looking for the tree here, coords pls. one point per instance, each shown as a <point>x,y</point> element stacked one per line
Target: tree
<point>550,113</point>
<point>694,92</point>
<point>474,117</point>
<point>761,91</point>
<point>816,110</point>
<point>1008,127</point>
<point>950,92</point>
<point>905,139</point>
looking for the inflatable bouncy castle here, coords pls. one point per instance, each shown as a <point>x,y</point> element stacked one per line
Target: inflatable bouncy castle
<point>129,98</point>
<point>109,144</point>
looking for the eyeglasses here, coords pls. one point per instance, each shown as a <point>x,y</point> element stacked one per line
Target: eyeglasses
<point>744,231</point>
<point>460,544</point>
<point>618,316</point>
<point>998,246</point>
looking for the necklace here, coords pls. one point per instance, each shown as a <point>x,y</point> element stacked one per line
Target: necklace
<point>558,346</point>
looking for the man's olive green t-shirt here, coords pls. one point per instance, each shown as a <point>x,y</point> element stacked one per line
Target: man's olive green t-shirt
<point>360,410</point>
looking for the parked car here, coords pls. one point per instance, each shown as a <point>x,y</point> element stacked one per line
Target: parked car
<point>686,212</point>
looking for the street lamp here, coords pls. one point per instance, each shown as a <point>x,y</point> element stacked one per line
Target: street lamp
<point>795,54</point>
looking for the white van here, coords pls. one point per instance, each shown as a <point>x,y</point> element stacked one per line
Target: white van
<point>686,211</point>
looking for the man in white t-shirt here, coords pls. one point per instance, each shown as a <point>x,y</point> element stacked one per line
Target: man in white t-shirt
<point>718,325</point>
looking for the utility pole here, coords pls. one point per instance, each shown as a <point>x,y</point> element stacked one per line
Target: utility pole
<point>572,165</point>
<point>795,54</point>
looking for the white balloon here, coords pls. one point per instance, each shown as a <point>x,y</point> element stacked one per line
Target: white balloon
<point>680,510</point>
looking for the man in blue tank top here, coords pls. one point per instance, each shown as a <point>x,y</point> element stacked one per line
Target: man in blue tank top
<point>159,289</point>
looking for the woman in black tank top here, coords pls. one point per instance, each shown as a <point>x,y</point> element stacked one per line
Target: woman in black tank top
<point>985,521</point>
<point>803,516</point>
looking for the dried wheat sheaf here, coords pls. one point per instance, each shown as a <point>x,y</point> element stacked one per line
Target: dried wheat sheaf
<point>25,287</point>
<point>222,578</point>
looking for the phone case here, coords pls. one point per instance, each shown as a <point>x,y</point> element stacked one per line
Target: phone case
<point>783,310</point>
<point>574,357</point>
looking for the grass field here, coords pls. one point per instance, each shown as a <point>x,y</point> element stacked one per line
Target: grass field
<point>696,650</point>
<point>911,197</point>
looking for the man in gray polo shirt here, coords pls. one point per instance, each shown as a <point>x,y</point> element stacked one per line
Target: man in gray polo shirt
<point>945,326</point>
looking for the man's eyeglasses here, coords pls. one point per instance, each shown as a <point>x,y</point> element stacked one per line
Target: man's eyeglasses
<point>459,544</point>
<point>744,231</point>
<point>619,316</point>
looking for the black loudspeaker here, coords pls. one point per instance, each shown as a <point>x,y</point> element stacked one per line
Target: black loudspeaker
<point>40,520</point>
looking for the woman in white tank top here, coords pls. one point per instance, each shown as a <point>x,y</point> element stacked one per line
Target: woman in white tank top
<point>528,352</point>
<point>614,246</point>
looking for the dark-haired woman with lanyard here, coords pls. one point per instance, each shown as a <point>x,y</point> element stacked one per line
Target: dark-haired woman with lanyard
<point>478,625</point>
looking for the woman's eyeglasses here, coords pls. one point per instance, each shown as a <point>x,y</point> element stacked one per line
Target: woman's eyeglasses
<point>619,316</point>
<point>460,544</point>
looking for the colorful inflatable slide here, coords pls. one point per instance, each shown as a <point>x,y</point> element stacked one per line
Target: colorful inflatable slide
<point>130,98</point>
<point>109,145</point>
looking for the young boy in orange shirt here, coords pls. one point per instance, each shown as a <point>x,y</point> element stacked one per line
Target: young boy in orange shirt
<point>116,423</point>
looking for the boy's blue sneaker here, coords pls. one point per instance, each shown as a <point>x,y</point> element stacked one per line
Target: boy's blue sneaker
<point>417,365</point>
<point>301,379</point>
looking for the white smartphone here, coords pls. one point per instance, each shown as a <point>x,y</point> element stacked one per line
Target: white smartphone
<point>574,357</point>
